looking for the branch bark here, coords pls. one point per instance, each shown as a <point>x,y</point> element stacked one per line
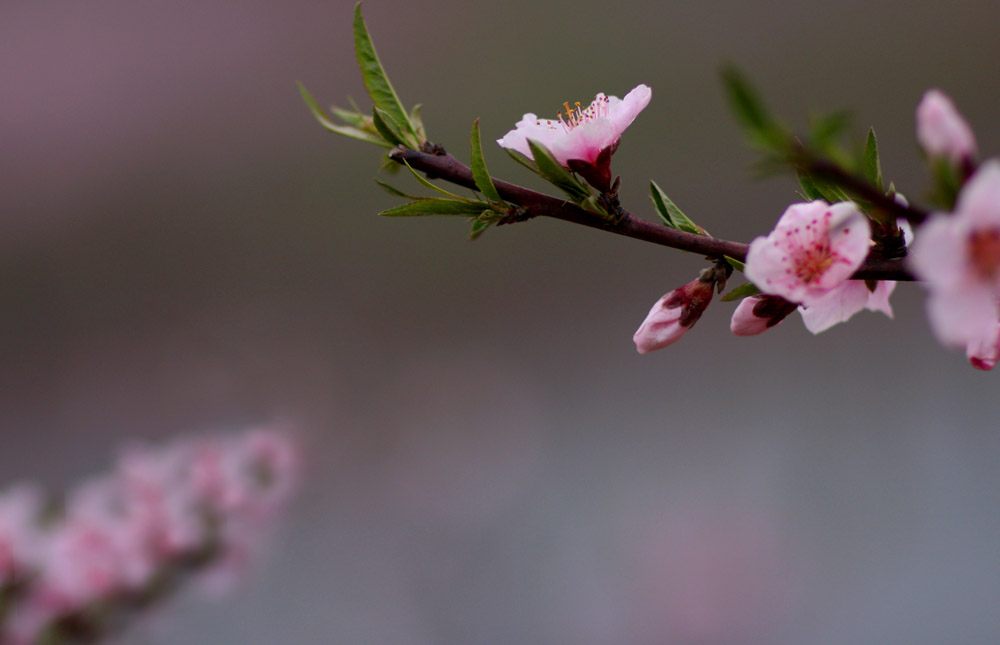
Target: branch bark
<point>450,169</point>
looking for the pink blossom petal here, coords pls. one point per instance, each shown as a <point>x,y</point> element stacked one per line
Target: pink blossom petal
<point>962,316</point>
<point>941,130</point>
<point>979,202</point>
<point>878,300</point>
<point>589,140</point>
<point>634,102</point>
<point>938,253</point>
<point>837,306</point>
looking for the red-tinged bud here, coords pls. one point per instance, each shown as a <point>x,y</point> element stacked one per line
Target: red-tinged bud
<point>673,315</point>
<point>942,131</point>
<point>757,314</point>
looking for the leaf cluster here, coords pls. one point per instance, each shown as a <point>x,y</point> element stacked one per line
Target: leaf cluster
<point>389,123</point>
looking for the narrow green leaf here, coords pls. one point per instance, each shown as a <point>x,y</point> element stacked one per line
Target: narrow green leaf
<point>426,184</point>
<point>670,214</point>
<point>809,187</point>
<point>740,292</point>
<point>550,169</point>
<point>818,188</point>
<point>593,205</point>
<point>418,122</point>
<point>480,224</point>
<point>347,131</point>
<point>736,264</point>
<point>358,120</point>
<point>435,206</point>
<point>871,167</point>
<point>761,127</point>
<point>388,127</point>
<point>479,172</point>
<point>657,197</point>
<point>395,192</point>
<point>379,88</point>
<point>525,161</point>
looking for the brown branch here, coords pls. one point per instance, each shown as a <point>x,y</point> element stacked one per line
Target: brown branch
<point>450,169</point>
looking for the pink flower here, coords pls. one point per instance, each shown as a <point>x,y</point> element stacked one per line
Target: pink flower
<point>673,315</point>
<point>844,301</point>
<point>958,256</point>
<point>757,314</point>
<point>813,249</point>
<point>582,139</point>
<point>941,130</point>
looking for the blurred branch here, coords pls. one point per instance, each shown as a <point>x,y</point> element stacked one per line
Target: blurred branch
<point>537,204</point>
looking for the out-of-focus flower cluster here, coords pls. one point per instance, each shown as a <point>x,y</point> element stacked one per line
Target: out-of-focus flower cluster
<point>76,569</point>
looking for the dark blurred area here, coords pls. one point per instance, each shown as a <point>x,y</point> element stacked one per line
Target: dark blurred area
<point>183,248</point>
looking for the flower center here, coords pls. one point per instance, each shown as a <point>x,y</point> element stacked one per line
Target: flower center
<point>813,261</point>
<point>576,116</point>
<point>984,252</point>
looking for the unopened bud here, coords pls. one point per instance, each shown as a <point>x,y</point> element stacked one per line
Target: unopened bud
<point>941,130</point>
<point>673,315</point>
<point>757,314</point>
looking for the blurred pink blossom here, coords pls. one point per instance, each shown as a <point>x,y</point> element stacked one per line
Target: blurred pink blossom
<point>160,515</point>
<point>958,257</point>
<point>941,130</point>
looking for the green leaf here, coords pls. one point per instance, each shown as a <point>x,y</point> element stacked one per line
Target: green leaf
<point>524,160</point>
<point>479,172</point>
<point>740,292</point>
<point>388,127</point>
<point>426,184</point>
<point>871,168</point>
<point>758,123</point>
<point>593,205</point>
<point>395,192</point>
<point>818,188</point>
<point>481,223</point>
<point>809,188</point>
<point>435,206</point>
<point>347,131</point>
<point>550,169</point>
<point>356,119</point>
<point>379,88</point>
<point>669,213</point>
<point>736,264</point>
<point>418,122</point>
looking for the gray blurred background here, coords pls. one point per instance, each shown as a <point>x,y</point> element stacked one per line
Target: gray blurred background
<point>183,249</point>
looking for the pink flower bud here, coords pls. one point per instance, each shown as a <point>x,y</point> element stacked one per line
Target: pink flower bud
<point>757,314</point>
<point>941,130</point>
<point>673,315</point>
